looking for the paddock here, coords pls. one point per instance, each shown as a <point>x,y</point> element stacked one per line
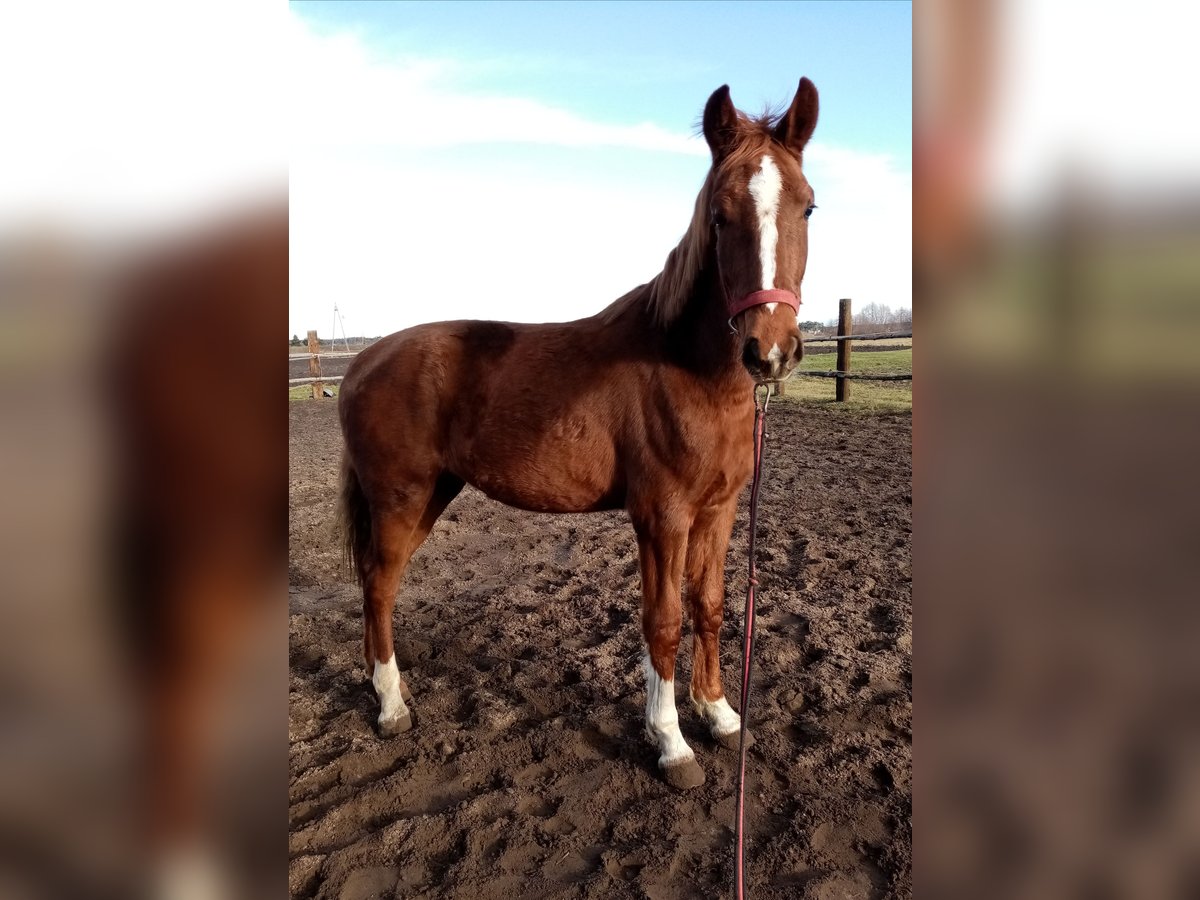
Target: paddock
<point>527,773</point>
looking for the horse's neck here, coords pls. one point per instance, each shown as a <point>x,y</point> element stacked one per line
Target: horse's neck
<point>700,339</point>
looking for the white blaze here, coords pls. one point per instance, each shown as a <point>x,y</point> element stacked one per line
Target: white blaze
<point>662,720</point>
<point>765,187</point>
<point>387,686</point>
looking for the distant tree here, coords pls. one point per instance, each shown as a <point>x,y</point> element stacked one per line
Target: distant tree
<point>295,341</point>
<point>811,325</point>
<point>872,317</point>
<point>882,318</point>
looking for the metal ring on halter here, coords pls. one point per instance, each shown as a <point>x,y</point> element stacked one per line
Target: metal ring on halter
<point>766,401</point>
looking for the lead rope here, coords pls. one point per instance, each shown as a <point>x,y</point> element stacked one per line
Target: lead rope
<point>760,434</point>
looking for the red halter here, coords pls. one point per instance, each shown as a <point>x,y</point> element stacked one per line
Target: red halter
<point>757,298</point>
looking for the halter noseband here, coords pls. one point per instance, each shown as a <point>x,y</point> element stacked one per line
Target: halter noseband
<point>757,298</point>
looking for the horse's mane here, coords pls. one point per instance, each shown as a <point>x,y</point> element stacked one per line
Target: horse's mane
<point>668,293</point>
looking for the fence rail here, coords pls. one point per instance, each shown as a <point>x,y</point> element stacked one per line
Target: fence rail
<point>863,376</point>
<point>339,355</point>
<point>317,380</point>
<point>314,356</point>
<point>882,336</point>
<point>845,338</point>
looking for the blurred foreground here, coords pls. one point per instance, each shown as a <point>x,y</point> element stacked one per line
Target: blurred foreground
<point>1057,252</point>
<point>143,656</point>
<point>143,292</point>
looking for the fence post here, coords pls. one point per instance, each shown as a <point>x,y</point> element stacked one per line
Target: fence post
<point>845,329</point>
<point>314,365</point>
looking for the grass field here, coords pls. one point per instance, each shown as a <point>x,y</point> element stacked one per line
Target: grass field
<point>865,396</point>
<point>304,391</point>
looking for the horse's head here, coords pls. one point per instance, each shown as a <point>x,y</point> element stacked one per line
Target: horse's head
<point>759,209</point>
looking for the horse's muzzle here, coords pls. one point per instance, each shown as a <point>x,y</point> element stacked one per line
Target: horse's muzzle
<point>773,363</point>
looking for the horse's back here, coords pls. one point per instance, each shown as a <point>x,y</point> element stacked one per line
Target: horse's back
<point>529,414</point>
<point>462,361</point>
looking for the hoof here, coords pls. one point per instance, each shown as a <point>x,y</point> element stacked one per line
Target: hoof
<point>683,775</point>
<point>730,741</point>
<point>405,693</point>
<point>395,726</point>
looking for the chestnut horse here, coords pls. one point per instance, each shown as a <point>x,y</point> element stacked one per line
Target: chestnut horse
<point>646,406</point>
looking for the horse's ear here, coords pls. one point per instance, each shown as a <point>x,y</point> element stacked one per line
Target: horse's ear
<point>797,124</point>
<point>720,122</point>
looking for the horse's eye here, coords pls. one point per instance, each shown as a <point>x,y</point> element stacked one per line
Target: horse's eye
<point>808,212</point>
<point>718,218</point>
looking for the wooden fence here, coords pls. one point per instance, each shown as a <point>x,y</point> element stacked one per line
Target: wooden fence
<point>845,339</point>
<point>315,377</point>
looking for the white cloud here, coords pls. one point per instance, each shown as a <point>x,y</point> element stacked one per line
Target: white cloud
<point>347,96</point>
<point>396,246</point>
<point>860,237</point>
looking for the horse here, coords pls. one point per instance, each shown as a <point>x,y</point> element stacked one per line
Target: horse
<point>647,406</point>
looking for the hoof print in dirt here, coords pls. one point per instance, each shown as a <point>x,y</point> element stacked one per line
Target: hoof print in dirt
<point>684,775</point>
<point>730,741</point>
<point>393,727</point>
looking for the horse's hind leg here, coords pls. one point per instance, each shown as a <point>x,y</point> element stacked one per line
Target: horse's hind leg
<point>392,532</point>
<point>398,530</point>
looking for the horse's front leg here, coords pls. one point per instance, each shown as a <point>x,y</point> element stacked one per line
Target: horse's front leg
<point>662,546</point>
<point>708,543</point>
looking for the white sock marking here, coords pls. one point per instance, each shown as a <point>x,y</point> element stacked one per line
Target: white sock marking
<point>387,686</point>
<point>765,187</point>
<point>662,720</point>
<point>719,715</point>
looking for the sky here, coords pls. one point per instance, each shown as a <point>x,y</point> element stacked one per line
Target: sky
<point>534,161</point>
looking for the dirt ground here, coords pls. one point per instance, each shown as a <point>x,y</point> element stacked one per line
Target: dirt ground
<point>527,774</point>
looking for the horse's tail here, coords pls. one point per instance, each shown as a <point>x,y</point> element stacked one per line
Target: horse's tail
<point>355,517</point>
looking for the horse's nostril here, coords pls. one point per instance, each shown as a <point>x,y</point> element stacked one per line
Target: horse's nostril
<point>751,357</point>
